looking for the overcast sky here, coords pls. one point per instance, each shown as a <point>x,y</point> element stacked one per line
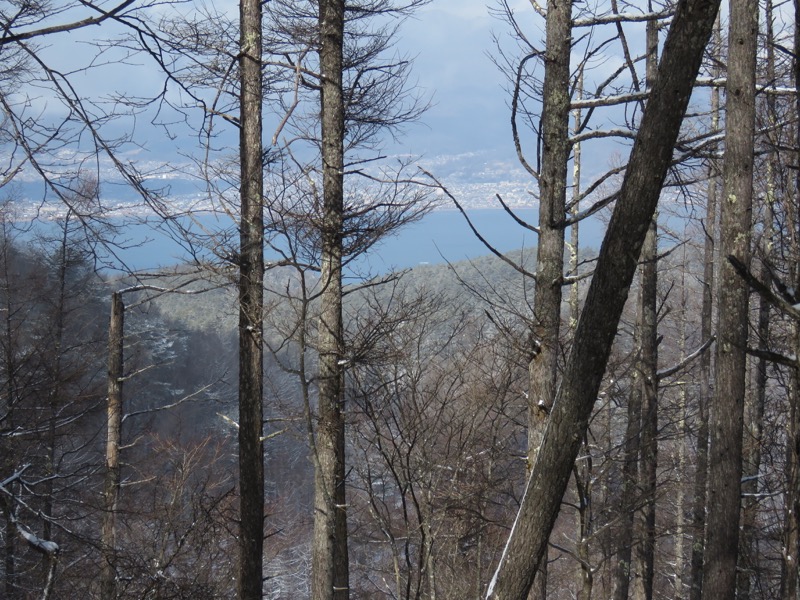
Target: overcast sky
<point>451,41</point>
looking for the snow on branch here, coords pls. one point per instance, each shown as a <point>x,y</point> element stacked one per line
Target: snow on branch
<point>608,100</point>
<point>46,547</point>
<point>604,133</point>
<point>772,90</point>
<point>701,81</point>
<point>622,18</point>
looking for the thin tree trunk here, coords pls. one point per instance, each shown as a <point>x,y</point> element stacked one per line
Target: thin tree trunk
<point>791,535</point>
<point>583,483</point>
<point>583,470</point>
<point>330,557</point>
<point>9,443</point>
<point>251,306</point>
<point>706,322</point>
<point>680,500</point>
<point>645,548</point>
<point>10,563</point>
<point>725,453</point>
<point>650,158</point>
<point>629,495</point>
<point>647,368</point>
<point>639,454</point>
<point>108,570</point>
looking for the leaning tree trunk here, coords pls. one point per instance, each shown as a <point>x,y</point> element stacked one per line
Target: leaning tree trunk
<point>641,187</point>
<point>725,453</point>
<point>329,555</point>
<point>251,306</point>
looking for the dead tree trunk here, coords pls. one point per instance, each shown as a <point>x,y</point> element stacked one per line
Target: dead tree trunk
<point>647,168</point>
<point>251,306</point>
<point>725,452</point>
<point>550,250</point>
<point>108,571</point>
<point>330,559</point>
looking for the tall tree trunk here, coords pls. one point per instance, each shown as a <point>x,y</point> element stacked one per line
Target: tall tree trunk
<point>108,570</point>
<point>725,453</point>
<point>638,470</point>
<point>330,558</point>
<point>650,158</point>
<point>550,250</point>
<point>791,535</point>
<point>754,416</point>
<point>251,306</point>
<point>706,322</point>
<point>647,368</point>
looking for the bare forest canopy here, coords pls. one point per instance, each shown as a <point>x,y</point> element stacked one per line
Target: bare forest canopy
<point>299,299</point>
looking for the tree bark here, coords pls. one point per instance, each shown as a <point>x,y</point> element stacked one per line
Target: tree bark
<point>647,168</point>
<point>251,306</point>
<point>755,403</point>
<point>725,452</point>
<point>330,559</point>
<point>550,251</point>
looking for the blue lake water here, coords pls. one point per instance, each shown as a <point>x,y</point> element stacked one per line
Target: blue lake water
<point>445,236</point>
<point>441,236</point>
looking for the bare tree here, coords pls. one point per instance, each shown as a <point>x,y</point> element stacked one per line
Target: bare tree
<point>251,304</point>
<point>650,158</point>
<point>330,568</point>
<point>725,450</point>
